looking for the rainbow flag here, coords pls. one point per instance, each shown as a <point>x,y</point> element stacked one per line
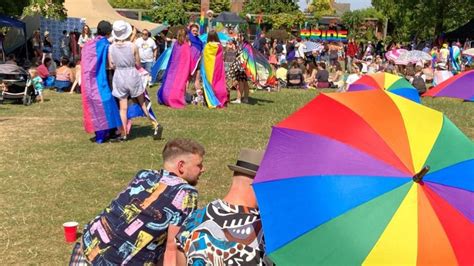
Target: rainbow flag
<point>175,78</point>
<point>213,75</point>
<point>100,111</point>
<point>257,67</point>
<point>201,23</point>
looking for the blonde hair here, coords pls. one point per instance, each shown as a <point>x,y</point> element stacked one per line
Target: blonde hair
<point>33,72</point>
<point>181,36</point>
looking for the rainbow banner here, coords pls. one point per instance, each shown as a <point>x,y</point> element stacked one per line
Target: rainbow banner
<point>324,35</point>
<point>201,23</point>
<point>213,75</point>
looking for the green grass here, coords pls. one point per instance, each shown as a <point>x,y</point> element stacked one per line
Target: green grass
<point>51,173</point>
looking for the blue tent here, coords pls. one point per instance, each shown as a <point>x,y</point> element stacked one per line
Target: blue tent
<point>6,21</point>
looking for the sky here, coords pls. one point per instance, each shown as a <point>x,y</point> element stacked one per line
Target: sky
<point>355,4</point>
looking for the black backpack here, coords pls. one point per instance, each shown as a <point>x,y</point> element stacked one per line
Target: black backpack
<point>419,84</point>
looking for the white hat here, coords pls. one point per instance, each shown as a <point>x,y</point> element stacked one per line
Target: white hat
<point>121,30</point>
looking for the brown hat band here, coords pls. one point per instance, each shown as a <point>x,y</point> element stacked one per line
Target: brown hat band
<point>247,165</point>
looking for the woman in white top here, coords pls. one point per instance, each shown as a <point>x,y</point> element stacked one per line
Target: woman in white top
<point>85,36</point>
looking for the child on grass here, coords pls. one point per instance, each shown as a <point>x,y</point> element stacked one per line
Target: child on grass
<point>37,83</point>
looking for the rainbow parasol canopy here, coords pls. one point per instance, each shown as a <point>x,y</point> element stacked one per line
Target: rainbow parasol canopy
<point>460,86</point>
<point>342,184</point>
<point>386,81</point>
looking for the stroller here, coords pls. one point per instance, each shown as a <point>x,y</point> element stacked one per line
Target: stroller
<point>17,86</point>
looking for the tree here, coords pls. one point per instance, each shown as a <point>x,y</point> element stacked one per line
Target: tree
<point>287,20</point>
<point>321,8</point>
<point>359,27</point>
<point>171,12</point>
<point>46,8</point>
<point>132,4</point>
<point>424,19</point>
<point>269,7</point>
<point>219,6</point>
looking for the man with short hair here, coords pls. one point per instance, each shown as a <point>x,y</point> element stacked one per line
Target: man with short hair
<point>140,224</point>
<point>147,50</point>
<point>227,231</point>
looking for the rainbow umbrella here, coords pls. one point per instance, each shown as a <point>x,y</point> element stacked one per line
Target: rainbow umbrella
<point>460,86</point>
<point>367,177</point>
<point>386,81</point>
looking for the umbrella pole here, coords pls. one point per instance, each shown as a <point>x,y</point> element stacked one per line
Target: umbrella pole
<point>418,178</point>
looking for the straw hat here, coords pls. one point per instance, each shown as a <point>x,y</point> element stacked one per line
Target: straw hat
<point>121,30</point>
<point>248,162</point>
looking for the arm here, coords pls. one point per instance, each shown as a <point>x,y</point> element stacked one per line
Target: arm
<point>137,56</point>
<point>180,258</point>
<point>109,57</point>
<point>171,251</point>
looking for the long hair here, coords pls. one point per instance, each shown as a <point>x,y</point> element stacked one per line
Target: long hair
<point>84,31</point>
<point>212,36</point>
<point>181,36</point>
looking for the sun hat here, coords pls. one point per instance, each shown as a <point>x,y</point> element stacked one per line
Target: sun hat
<point>46,33</point>
<point>121,30</point>
<point>247,162</point>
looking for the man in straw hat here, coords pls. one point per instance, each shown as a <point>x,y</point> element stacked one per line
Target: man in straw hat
<point>139,226</point>
<point>227,231</point>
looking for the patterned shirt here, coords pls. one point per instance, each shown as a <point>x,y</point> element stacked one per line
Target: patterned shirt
<point>222,234</point>
<point>133,228</point>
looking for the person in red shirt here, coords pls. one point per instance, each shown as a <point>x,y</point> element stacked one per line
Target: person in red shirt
<point>352,51</point>
<point>42,69</point>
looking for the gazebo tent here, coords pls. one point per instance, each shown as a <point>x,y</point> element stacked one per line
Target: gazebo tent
<point>461,33</point>
<point>6,21</point>
<point>229,18</point>
<point>93,11</point>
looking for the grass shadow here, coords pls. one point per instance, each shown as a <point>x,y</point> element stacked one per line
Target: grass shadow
<point>258,101</point>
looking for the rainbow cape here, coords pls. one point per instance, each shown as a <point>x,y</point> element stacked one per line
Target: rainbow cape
<point>160,64</point>
<point>213,75</point>
<point>175,78</point>
<point>257,67</point>
<point>98,104</point>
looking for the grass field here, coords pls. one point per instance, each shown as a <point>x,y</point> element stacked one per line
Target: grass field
<point>51,173</point>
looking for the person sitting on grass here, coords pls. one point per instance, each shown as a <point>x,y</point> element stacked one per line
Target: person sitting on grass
<point>280,74</point>
<point>322,77</point>
<point>37,83</point>
<point>295,76</point>
<point>139,226</point>
<point>44,73</point>
<point>208,237</point>
<point>64,76</point>
<point>310,74</point>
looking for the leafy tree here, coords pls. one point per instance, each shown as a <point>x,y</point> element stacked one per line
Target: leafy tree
<point>46,8</point>
<point>270,7</point>
<point>359,27</point>
<point>13,8</point>
<point>321,8</point>
<point>171,12</point>
<point>133,4</point>
<point>424,19</point>
<point>219,6</point>
<point>286,20</point>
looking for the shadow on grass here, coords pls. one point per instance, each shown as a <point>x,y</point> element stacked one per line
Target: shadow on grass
<point>137,132</point>
<point>257,101</point>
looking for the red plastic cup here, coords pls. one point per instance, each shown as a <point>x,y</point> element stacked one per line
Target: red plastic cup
<point>70,231</point>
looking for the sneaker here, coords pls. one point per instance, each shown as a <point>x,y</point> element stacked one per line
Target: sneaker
<point>237,101</point>
<point>157,134</point>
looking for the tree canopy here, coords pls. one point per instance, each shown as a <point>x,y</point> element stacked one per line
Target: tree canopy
<point>424,19</point>
<point>46,8</point>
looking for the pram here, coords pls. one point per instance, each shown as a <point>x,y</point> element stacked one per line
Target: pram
<point>17,83</point>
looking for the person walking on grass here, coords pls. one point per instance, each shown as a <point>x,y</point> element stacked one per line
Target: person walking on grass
<point>227,231</point>
<point>139,226</point>
<point>124,58</point>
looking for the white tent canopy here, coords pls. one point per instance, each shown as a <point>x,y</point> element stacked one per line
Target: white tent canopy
<point>93,11</point>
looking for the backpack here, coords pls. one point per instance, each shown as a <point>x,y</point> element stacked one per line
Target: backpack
<point>419,84</point>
